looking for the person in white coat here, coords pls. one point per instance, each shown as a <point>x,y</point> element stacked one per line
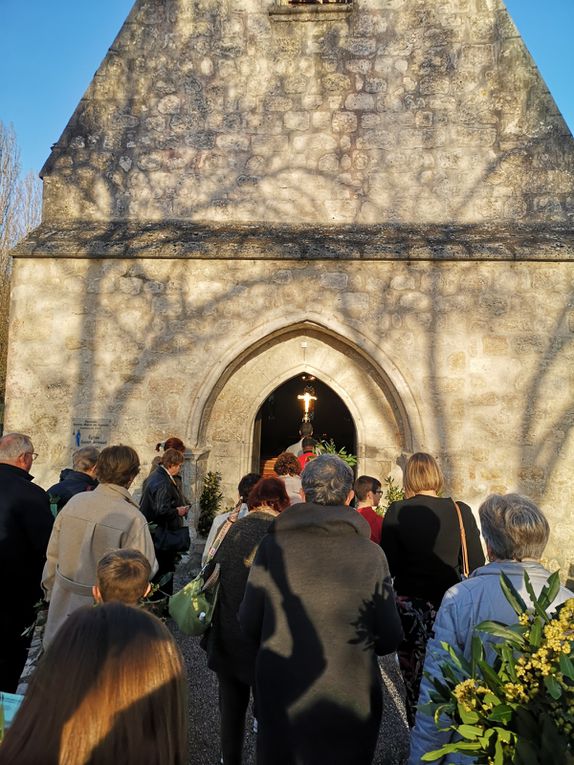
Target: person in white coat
<point>90,525</point>
<point>240,511</point>
<point>516,532</point>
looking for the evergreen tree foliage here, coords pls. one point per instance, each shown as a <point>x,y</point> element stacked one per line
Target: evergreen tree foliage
<point>209,502</point>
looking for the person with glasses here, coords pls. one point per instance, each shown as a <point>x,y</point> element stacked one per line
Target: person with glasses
<point>25,527</point>
<point>90,525</point>
<point>368,493</point>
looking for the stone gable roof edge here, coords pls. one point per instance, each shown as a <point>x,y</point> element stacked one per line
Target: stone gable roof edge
<point>62,144</point>
<point>505,241</point>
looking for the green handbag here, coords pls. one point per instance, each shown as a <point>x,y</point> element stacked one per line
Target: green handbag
<point>193,606</point>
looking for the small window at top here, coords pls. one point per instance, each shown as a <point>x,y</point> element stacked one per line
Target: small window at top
<point>307,10</point>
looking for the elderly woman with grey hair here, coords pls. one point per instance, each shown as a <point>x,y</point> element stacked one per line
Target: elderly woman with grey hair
<point>516,532</point>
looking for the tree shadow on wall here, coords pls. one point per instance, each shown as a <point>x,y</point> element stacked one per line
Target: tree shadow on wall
<point>135,317</point>
<point>206,149</point>
<point>168,310</point>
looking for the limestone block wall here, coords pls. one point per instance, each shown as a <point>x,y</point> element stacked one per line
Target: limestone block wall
<point>472,361</point>
<point>383,110</point>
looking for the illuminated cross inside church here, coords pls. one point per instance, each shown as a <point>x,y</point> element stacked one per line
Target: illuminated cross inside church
<point>307,397</point>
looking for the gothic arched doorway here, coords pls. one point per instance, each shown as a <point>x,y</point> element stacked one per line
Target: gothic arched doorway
<point>278,419</point>
<point>227,429</point>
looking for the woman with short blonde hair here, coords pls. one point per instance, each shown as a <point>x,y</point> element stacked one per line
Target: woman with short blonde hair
<point>421,538</point>
<point>422,474</point>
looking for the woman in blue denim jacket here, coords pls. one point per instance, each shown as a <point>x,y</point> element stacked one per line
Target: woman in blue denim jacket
<point>516,532</point>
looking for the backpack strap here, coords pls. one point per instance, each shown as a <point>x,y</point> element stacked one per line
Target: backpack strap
<point>220,536</point>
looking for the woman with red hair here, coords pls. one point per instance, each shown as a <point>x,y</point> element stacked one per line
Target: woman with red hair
<point>228,653</point>
<point>288,469</point>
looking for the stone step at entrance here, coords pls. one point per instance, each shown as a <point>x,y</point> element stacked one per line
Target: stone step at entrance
<point>267,467</point>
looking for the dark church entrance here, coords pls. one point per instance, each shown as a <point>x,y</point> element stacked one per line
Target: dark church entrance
<point>277,422</point>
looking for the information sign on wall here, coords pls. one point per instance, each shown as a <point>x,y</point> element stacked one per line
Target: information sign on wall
<point>88,432</point>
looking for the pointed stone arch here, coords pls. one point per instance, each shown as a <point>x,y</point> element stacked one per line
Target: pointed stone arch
<point>385,415</point>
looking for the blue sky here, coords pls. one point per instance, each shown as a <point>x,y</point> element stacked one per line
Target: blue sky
<point>49,52</point>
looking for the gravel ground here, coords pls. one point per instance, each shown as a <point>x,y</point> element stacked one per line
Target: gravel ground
<point>204,749</point>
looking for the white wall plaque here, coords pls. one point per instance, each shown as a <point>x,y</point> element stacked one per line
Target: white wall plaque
<point>88,432</point>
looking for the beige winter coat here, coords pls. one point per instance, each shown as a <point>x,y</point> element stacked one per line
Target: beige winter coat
<point>89,526</point>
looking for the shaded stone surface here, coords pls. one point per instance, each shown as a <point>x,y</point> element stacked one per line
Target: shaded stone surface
<point>380,194</point>
<point>184,240</point>
<point>428,111</point>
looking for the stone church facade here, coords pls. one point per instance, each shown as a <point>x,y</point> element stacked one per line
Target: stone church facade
<point>378,193</point>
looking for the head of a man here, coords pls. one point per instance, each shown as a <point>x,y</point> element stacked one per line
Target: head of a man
<point>327,480</point>
<point>305,429</point>
<point>118,465</point>
<point>513,527</point>
<point>246,484</point>
<point>84,460</point>
<point>17,449</point>
<point>367,491</point>
<point>308,444</point>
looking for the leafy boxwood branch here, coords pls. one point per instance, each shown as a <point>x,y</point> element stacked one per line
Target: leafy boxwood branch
<point>329,447</point>
<point>392,493</point>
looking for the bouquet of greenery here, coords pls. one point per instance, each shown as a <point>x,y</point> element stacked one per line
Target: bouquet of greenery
<point>329,447</point>
<point>392,494</point>
<point>521,710</point>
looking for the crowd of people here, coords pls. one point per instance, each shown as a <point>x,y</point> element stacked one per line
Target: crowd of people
<point>315,583</point>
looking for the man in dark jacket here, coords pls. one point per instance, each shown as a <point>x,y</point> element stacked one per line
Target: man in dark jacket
<point>319,606</point>
<point>25,527</point>
<point>82,476</point>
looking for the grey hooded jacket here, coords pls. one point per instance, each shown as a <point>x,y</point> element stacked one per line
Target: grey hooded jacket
<point>465,605</point>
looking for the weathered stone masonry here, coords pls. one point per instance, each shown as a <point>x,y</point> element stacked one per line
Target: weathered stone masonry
<point>388,184</point>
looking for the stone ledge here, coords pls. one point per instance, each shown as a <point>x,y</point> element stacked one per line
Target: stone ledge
<point>184,240</point>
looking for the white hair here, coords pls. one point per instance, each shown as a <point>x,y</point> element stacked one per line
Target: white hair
<point>12,445</point>
<point>85,458</point>
<point>513,527</point>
